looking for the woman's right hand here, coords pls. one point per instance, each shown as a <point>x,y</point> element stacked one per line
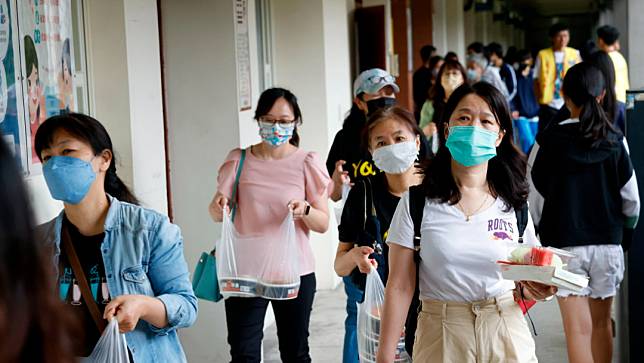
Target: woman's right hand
<point>217,207</point>
<point>360,256</point>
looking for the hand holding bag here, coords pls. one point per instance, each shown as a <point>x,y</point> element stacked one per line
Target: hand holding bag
<point>204,281</point>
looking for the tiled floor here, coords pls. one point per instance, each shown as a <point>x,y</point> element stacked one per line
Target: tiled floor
<point>327,331</point>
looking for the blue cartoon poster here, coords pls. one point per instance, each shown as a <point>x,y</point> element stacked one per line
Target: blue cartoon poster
<point>47,65</point>
<point>11,127</point>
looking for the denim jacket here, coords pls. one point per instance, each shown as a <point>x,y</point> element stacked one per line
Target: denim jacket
<point>143,255</point>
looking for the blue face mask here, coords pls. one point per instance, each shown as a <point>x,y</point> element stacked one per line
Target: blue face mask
<point>275,134</point>
<point>68,179</point>
<point>471,145</point>
<point>472,75</point>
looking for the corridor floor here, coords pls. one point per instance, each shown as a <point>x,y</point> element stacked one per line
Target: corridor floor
<point>327,331</point>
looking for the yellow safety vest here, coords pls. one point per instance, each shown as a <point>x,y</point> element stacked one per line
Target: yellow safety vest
<point>548,71</point>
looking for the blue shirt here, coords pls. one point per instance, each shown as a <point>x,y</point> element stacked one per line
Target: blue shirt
<point>143,255</point>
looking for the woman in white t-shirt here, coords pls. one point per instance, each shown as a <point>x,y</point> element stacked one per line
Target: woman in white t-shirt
<point>471,187</point>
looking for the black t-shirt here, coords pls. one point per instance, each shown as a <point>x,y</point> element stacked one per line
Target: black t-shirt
<point>352,225</point>
<point>347,146</point>
<point>422,82</point>
<point>88,250</point>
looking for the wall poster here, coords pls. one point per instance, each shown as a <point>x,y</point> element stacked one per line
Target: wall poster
<point>47,65</point>
<point>242,47</point>
<point>11,125</point>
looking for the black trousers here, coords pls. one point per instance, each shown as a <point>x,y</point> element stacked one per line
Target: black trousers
<point>245,319</point>
<point>546,115</point>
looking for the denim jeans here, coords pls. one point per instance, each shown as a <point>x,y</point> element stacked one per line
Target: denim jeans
<point>354,295</point>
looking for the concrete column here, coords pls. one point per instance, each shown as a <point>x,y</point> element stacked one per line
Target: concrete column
<point>469,21</point>
<point>634,41</point>
<point>203,126</point>
<point>314,63</point>
<point>146,103</point>
<point>455,27</point>
<point>439,26</point>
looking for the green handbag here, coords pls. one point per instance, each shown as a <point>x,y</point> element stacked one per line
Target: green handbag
<point>204,279</point>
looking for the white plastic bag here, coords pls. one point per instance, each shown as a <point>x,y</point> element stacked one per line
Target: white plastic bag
<point>340,205</point>
<point>258,266</point>
<point>111,346</point>
<point>369,313</point>
<point>279,278</point>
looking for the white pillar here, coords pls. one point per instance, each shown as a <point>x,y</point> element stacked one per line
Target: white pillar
<point>314,63</point>
<point>455,27</point>
<point>146,103</point>
<point>635,46</point>
<point>203,126</point>
<point>439,26</point>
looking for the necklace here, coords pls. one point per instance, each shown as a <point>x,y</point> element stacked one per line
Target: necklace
<point>468,216</point>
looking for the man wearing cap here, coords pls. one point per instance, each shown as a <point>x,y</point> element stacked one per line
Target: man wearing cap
<point>348,161</point>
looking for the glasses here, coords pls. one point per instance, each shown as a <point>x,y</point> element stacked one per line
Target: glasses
<point>272,121</point>
<point>381,79</point>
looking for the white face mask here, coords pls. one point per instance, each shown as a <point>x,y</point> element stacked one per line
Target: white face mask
<point>396,158</point>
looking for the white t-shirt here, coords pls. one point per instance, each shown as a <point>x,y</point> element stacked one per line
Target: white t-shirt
<point>458,256</point>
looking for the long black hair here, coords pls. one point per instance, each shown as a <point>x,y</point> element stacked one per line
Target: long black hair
<point>89,130</point>
<point>33,325</point>
<point>266,102</point>
<point>506,173</point>
<point>602,61</point>
<point>437,92</point>
<point>582,85</point>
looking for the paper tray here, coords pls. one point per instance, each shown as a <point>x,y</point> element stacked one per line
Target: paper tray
<point>548,275</point>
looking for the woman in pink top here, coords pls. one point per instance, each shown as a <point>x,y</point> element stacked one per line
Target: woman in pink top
<point>277,177</point>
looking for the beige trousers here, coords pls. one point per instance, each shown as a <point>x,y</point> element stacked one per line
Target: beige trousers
<point>485,331</point>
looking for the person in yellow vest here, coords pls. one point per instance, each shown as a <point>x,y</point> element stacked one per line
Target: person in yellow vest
<point>608,41</point>
<point>549,71</point>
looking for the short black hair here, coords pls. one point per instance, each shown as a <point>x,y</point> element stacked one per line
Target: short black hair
<point>451,55</point>
<point>477,47</point>
<point>608,33</point>
<point>557,28</point>
<point>494,48</point>
<point>426,52</point>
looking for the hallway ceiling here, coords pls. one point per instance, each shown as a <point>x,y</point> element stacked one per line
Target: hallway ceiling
<point>557,7</point>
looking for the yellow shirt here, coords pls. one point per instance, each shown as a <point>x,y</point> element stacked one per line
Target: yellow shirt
<point>621,75</point>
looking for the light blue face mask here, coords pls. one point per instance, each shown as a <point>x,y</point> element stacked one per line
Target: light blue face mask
<point>471,145</point>
<point>275,134</point>
<point>472,75</point>
<point>68,178</point>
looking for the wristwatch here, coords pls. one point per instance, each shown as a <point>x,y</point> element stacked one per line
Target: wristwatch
<point>308,208</point>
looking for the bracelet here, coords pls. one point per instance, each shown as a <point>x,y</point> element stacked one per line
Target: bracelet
<point>308,209</point>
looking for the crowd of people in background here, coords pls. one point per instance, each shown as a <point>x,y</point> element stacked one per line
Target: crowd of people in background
<point>425,187</point>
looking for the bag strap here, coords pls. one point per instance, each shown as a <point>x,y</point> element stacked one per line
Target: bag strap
<point>82,281</point>
<point>236,184</point>
<point>522,220</point>
<point>416,207</point>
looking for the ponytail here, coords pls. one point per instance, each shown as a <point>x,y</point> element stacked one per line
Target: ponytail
<point>583,84</point>
<point>115,187</point>
<point>295,139</point>
<point>594,122</point>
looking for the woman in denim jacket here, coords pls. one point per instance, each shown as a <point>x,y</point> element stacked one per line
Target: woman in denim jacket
<point>132,257</point>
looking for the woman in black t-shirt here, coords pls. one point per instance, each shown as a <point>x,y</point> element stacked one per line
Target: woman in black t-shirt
<point>394,139</point>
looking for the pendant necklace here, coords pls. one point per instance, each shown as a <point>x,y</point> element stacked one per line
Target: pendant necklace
<point>468,216</point>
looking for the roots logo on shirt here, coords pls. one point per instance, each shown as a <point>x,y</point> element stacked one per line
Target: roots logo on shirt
<point>501,229</point>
